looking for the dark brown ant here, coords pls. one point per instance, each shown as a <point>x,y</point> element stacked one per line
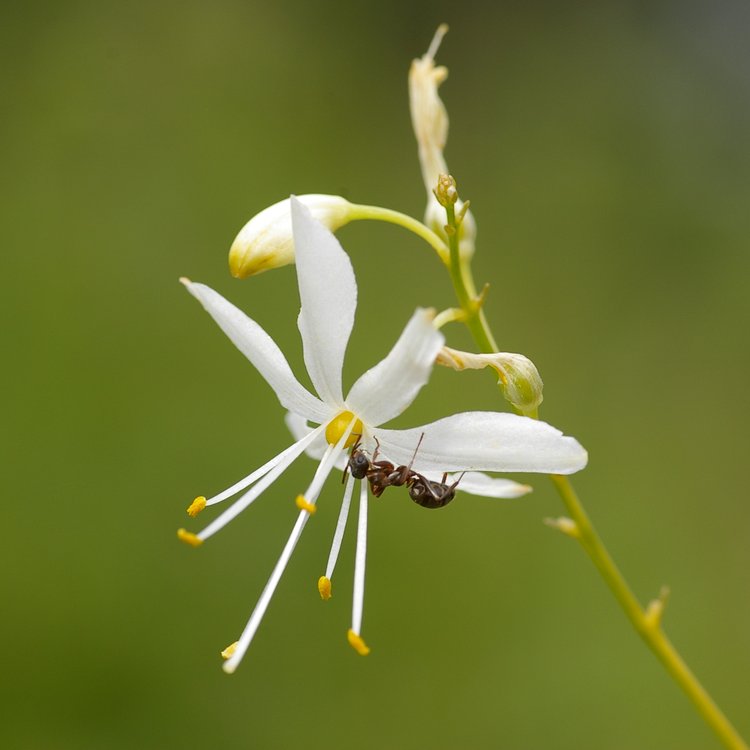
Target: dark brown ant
<point>383,474</point>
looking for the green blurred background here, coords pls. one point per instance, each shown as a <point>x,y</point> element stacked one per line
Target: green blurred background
<point>604,147</point>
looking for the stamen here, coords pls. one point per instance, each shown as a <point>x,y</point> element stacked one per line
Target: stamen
<point>257,474</point>
<point>356,642</point>
<point>321,474</point>
<point>324,587</point>
<point>228,652</point>
<point>338,535</point>
<point>189,538</point>
<point>265,598</point>
<point>196,506</point>
<point>359,564</point>
<point>254,492</point>
<point>442,30</point>
<point>302,504</point>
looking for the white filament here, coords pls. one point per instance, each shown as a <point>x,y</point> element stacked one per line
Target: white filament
<point>286,458</point>
<point>338,535</point>
<point>359,561</point>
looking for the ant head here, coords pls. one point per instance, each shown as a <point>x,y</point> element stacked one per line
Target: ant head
<point>359,464</point>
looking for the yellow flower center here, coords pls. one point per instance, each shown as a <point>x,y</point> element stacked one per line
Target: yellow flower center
<point>339,425</point>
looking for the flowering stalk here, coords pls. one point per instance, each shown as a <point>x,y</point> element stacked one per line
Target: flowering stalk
<point>376,213</point>
<point>647,622</point>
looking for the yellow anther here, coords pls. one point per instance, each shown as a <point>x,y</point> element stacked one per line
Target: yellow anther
<point>189,538</point>
<point>228,652</point>
<point>356,642</point>
<point>324,587</point>
<point>302,504</point>
<point>338,426</point>
<point>197,506</point>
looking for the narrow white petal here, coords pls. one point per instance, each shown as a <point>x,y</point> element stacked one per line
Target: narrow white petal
<point>299,427</point>
<point>328,295</point>
<point>387,389</point>
<point>338,535</point>
<point>265,598</point>
<point>485,441</point>
<point>256,490</point>
<point>359,562</point>
<point>262,351</point>
<point>476,483</point>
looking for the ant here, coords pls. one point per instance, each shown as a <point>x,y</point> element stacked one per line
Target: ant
<point>383,474</point>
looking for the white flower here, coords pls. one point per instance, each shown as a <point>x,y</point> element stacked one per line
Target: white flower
<point>470,441</point>
<point>266,241</point>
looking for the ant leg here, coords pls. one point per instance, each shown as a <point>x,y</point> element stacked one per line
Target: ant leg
<point>347,468</point>
<point>421,437</point>
<point>377,449</point>
<point>455,484</point>
<point>405,474</point>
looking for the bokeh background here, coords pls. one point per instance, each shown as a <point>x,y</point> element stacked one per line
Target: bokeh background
<point>604,147</point>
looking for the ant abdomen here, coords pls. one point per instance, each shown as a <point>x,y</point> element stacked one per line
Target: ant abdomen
<point>428,494</point>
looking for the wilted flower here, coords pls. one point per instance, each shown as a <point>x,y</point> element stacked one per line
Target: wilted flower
<point>517,374</point>
<point>472,441</point>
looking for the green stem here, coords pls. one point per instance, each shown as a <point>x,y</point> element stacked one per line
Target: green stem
<point>646,622</point>
<point>649,628</point>
<point>463,284</point>
<point>376,213</point>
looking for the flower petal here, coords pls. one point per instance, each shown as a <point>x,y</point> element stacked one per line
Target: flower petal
<point>262,351</point>
<point>328,293</point>
<point>387,389</point>
<point>476,483</point>
<point>485,441</point>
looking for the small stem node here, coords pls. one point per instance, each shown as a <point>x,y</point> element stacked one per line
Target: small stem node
<point>479,299</point>
<point>451,315</point>
<point>655,609</point>
<point>566,525</point>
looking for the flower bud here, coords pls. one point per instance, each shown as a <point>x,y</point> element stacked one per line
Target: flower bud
<point>446,191</point>
<point>518,376</point>
<point>430,121</point>
<point>266,241</point>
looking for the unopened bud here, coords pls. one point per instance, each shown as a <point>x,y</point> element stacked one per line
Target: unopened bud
<point>446,191</point>
<point>266,241</point>
<point>430,121</point>
<point>518,376</point>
